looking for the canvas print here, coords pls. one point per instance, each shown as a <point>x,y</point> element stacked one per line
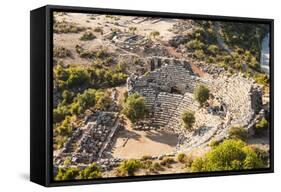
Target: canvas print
<point>136,96</point>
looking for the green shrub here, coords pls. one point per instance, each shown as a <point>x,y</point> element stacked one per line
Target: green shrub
<point>60,112</point>
<point>214,143</point>
<point>67,27</point>
<point>104,101</point>
<point>102,53</point>
<point>156,166</point>
<point>167,161</point>
<point>154,34</point>
<point>132,29</point>
<point>67,161</point>
<point>250,59</point>
<point>66,127</point>
<point>228,155</point>
<point>188,160</point>
<point>125,95</point>
<point>70,77</point>
<point>67,97</point>
<point>261,78</point>
<point>213,49</point>
<point>87,36</point>
<point>135,107</point>
<point>90,172</point>
<point>227,59</point>
<point>59,141</point>
<point>188,119</point>
<point>243,41</point>
<point>121,66</point>
<point>61,52</point>
<point>194,44</point>
<point>113,78</point>
<point>151,166</point>
<point>261,126</point>
<point>199,54</point>
<point>181,157</point>
<point>98,30</point>
<point>201,94</point>
<point>67,174</point>
<point>198,165</point>
<point>211,59</point>
<point>84,101</point>
<point>238,133</point>
<point>77,77</point>
<point>129,167</point>
<point>146,164</point>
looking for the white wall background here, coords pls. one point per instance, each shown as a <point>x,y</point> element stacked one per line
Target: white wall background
<point>14,95</point>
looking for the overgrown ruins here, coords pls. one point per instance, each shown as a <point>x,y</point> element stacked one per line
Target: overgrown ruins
<point>168,90</point>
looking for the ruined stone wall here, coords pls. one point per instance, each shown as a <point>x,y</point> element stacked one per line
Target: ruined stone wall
<point>87,142</point>
<point>164,77</point>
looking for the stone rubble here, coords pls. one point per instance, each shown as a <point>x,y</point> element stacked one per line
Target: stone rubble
<point>86,143</point>
<point>168,90</point>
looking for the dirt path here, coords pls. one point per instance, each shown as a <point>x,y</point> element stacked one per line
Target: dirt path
<point>132,143</point>
<point>197,71</point>
<point>121,90</point>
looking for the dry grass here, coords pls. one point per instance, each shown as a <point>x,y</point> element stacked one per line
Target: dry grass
<point>61,52</point>
<point>67,27</point>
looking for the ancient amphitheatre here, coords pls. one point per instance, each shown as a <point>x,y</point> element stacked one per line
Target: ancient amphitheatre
<point>118,56</point>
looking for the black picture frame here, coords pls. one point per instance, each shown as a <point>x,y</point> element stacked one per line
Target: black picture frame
<point>41,35</point>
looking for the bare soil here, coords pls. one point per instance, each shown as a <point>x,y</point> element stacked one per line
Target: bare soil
<point>134,144</point>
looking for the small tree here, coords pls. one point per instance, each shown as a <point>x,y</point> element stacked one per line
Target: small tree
<point>132,29</point>
<point>261,127</point>
<point>67,174</point>
<point>228,155</point>
<point>91,172</point>
<point>87,36</point>
<point>135,107</point>
<point>84,101</point>
<point>129,167</point>
<point>213,49</point>
<point>154,34</point>
<point>67,96</point>
<point>188,119</point>
<point>104,102</point>
<point>201,94</point>
<point>181,157</point>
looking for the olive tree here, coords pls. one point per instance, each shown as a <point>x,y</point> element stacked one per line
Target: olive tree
<point>188,119</point>
<point>201,94</point>
<point>135,107</point>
